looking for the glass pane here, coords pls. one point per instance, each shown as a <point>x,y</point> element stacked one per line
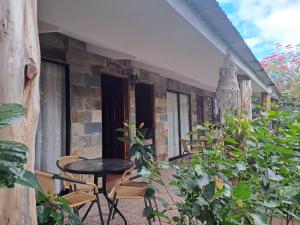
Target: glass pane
<point>184,116</point>
<point>173,134</point>
<point>51,134</point>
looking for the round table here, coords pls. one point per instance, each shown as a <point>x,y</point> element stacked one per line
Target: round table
<point>100,167</point>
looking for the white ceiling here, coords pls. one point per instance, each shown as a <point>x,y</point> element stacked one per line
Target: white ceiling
<point>150,32</point>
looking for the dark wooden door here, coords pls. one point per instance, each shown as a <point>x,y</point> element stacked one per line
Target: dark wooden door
<point>200,110</point>
<point>114,105</point>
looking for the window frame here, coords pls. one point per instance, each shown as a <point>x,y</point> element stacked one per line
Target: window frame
<point>67,100</point>
<point>178,93</point>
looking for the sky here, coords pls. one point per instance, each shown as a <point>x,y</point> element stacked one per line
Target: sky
<point>262,23</point>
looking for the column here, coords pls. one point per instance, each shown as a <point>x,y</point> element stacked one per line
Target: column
<point>246,95</point>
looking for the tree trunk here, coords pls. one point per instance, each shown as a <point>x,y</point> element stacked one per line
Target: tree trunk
<point>246,95</point>
<point>19,83</point>
<point>266,100</point>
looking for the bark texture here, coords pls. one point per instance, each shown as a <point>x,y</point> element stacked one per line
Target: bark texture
<point>266,100</point>
<point>246,95</point>
<point>19,83</point>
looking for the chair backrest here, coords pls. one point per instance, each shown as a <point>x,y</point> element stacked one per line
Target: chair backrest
<point>47,182</point>
<point>185,146</point>
<point>122,190</point>
<point>64,160</point>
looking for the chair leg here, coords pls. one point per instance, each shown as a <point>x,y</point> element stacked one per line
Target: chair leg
<point>111,209</point>
<point>156,208</point>
<point>87,212</point>
<point>99,208</point>
<point>150,205</point>
<point>146,205</point>
<point>114,212</point>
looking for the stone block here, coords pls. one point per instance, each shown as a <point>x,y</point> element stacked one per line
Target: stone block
<point>96,140</point>
<point>92,128</point>
<point>78,91</point>
<point>81,117</point>
<point>81,68</point>
<point>77,129</point>
<point>96,116</point>
<point>76,103</point>
<point>95,92</point>
<point>77,79</point>
<point>92,103</point>
<point>89,152</point>
<point>80,141</point>
<point>92,80</point>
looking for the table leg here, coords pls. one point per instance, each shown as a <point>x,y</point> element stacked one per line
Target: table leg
<point>98,201</point>
<point>109,201</point>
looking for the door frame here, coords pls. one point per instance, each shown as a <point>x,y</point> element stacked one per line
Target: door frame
<point>126,100</point>
<point>153,111</point>
<point>67,103</point>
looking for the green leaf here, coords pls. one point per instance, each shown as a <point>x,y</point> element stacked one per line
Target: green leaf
<point>74,219</point>
<point>13,151</point>
<point>147,212</point>
<point>149,192</point>
<point>10,114</point>
<point>201,201</point>
<point>271,204</point>
<point>259,219</point>
<point>242,191</point>
<point>28,179</point>
<point>204,180</point>
<point>230,140</point>
<point>13,157</point>
<point>209,191</point>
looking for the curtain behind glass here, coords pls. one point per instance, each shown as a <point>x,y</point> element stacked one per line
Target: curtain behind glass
<point>173,135</point>
<point>51,132</point>
<point>184,116</point>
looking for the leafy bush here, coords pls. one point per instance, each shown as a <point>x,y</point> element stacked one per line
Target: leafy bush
<point>254,175</point>
<point>54,211</point>
<point>13,155</point>
<point>13,158</point>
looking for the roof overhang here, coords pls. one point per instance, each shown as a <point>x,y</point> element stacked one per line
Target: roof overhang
<point>169,36</point>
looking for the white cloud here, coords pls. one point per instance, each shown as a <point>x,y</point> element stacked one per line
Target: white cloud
<point>253,41</point>
<point>267,21</point>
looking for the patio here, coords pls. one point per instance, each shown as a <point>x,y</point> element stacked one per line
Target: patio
<point>132,209</point>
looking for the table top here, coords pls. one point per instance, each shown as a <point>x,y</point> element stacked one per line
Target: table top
<point>100,166</point>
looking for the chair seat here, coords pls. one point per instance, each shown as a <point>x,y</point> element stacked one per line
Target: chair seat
<point>131,190</point>
<point>84,187</point>
<point>138,184</point>
<point>78,198</point>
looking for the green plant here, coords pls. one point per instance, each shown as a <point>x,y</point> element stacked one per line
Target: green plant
<point>253,176</point>
<point>144,161</point>
<point>13,158</point>
<point>13,155</point>
<point>54,211</point>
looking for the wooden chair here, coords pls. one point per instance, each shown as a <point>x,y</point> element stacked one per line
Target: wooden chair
<point>76,198</point>
<point>64,160</point>
<point>126,188</point>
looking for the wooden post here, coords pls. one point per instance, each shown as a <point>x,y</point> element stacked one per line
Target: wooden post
<point>266,100</point>
<point>246,95</point>
<point>19,83</point>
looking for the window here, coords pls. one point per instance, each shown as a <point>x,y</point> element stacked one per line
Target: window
<point>178,122</point>
<point>52,136</point>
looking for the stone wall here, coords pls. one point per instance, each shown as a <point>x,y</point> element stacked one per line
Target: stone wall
<point>85,70</point>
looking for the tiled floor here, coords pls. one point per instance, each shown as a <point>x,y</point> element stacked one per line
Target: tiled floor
<point>132,209</point>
